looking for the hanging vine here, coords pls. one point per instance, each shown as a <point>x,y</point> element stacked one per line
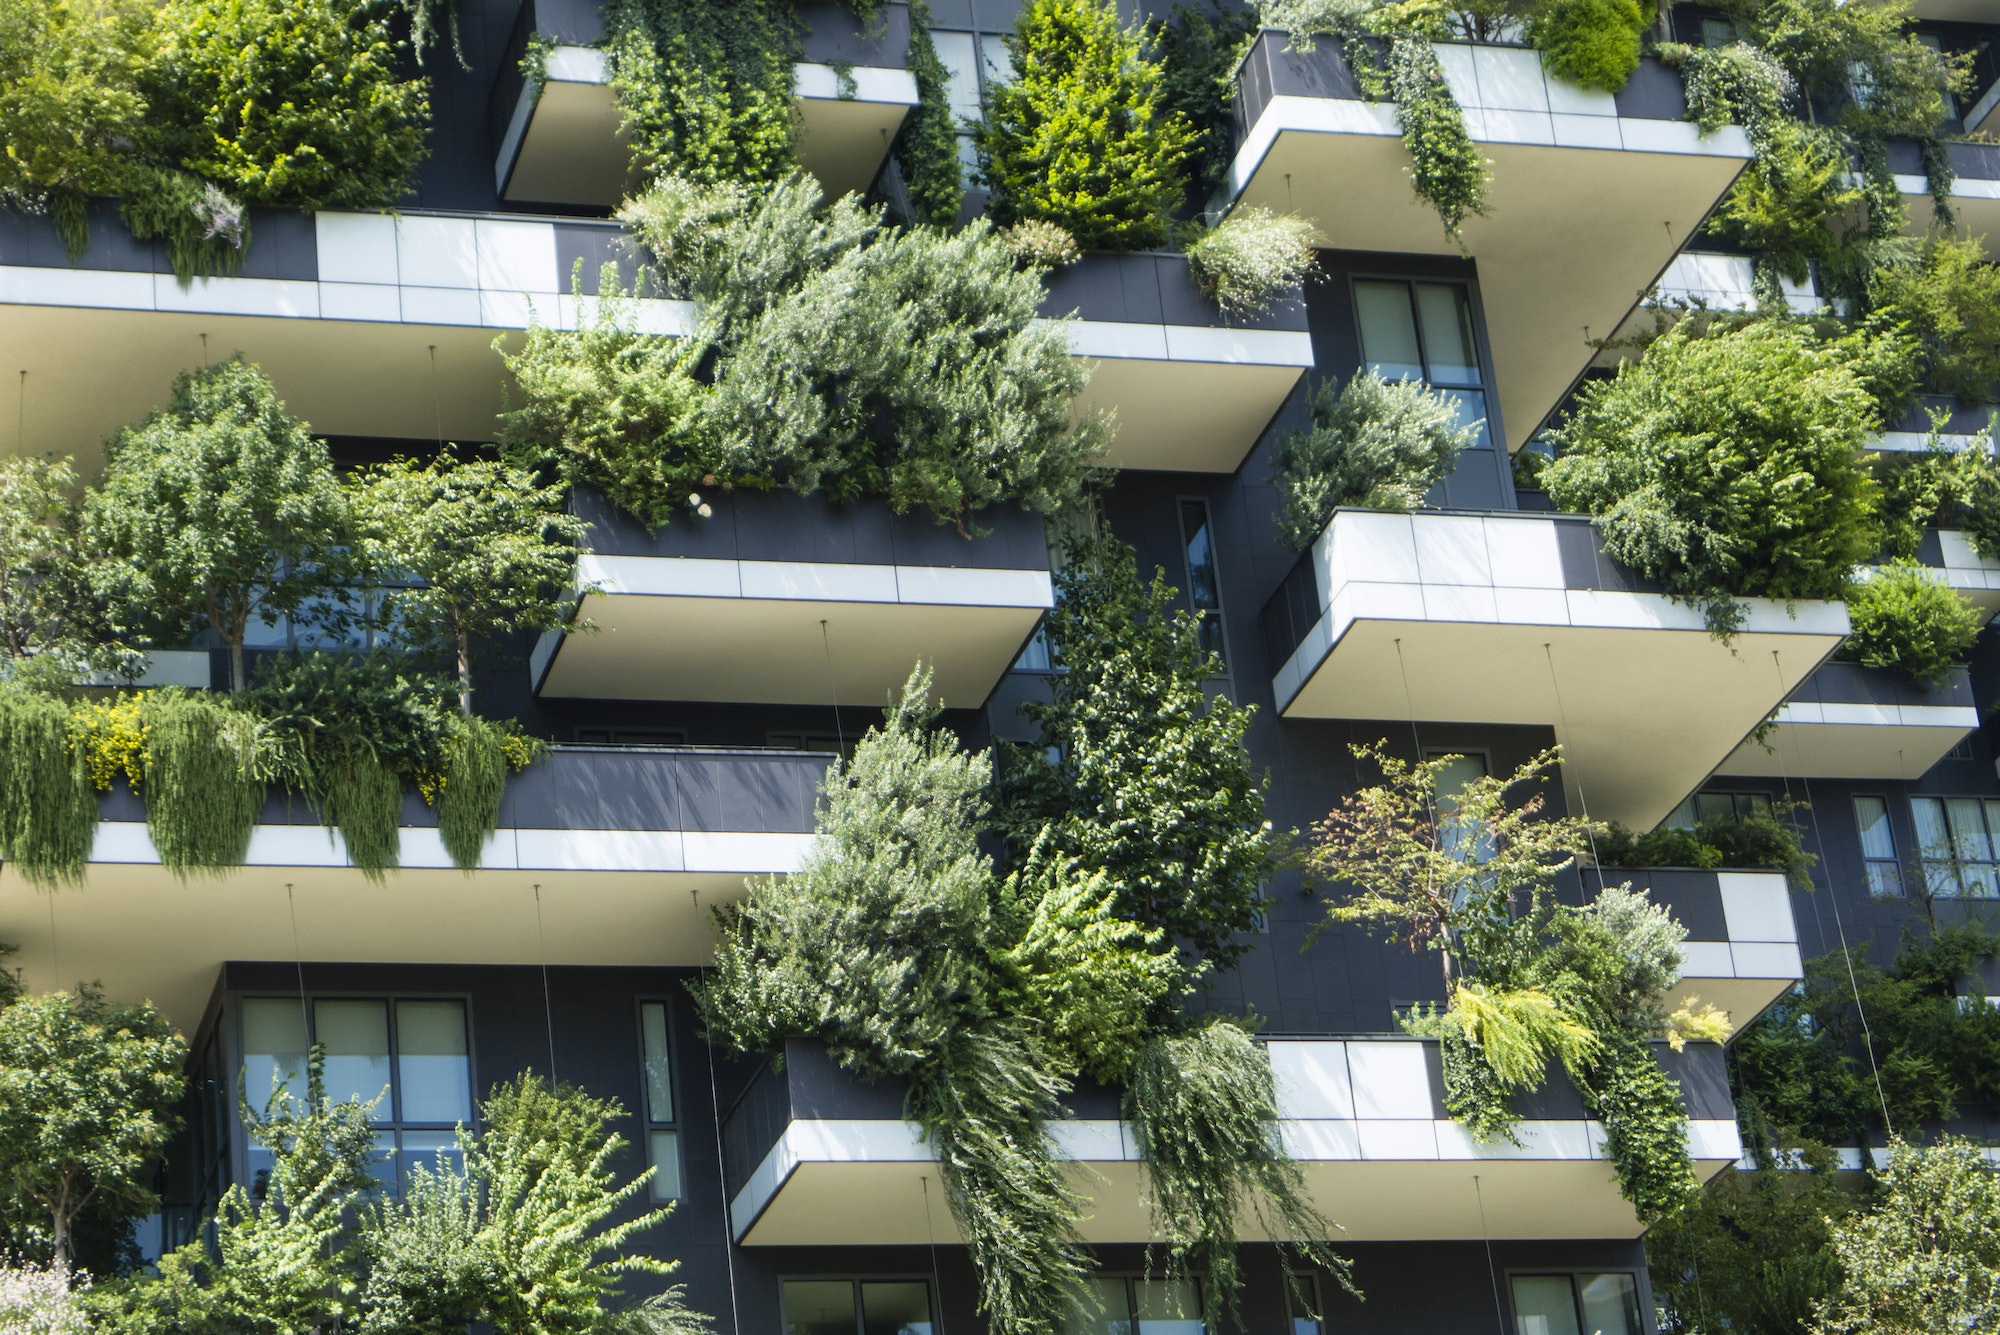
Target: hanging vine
<point>928,148</point>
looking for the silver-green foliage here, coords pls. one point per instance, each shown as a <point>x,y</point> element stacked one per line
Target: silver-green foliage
<point>1376,444</point>
<point>1252,258</point>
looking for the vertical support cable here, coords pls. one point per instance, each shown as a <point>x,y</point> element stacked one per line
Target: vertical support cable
<point>1492,1272</point>
<point>548,1005</point>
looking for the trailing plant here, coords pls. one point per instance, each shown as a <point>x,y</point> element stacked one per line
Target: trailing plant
<point>1138,772</point>
<point>220,511</point>
<point>1591,43</point>
<point>89,1096</point>
<point>847,358</point>
<point>1724,463</point>
<point>1906,618</point>
<point>1199,53</point>
<point>1251,258</point>
<point>927,150</point>
<point>704,88</point>
<point>1759,839</point>
<point>1374,443</point>
<point>473,778</point>
<point>203,782</point>
<point>1080,136</point>
<point>1204,1112</point>
<point>48,809</point>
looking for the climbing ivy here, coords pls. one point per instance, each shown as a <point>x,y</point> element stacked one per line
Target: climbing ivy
<point>704,87</point>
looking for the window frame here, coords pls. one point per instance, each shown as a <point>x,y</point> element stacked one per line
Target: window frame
<point>393,1126</point>
<point>854,1282</point>
<point>1959,886</point>
<point>1641,1293</point>
<point>1892,865</point>
<point>1488,387</point>
<point>1219,616</point>
<point>647,1123</point>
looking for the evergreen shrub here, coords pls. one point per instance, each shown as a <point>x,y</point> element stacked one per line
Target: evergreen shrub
<point>1906,618</point>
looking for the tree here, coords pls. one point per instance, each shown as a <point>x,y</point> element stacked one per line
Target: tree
<point>1081,136</point>
<point>1138,772</point>
<point>220,510</point>
<point>46,616</point>
<point>88,1095</point>
<point>1926,1257</point>
<point>478,550</point>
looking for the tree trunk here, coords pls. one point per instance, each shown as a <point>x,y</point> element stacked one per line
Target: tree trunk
<point>237,679</point>
<point>59,1239</point>
<point>464,673</point>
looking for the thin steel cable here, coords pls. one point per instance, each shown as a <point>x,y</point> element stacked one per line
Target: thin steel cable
<point>1492,1272</point>
<point>1833,900</point>
<point>298,962</point>
<point>548,1005</point>
<point>55,949</point>
<point>721,1175</point>
<point>833,688</point>
<point>1562,717</point>
<point>937,1279</point>
<point>437,404</point>
<point>21,417</point>
<point>1409,703</point>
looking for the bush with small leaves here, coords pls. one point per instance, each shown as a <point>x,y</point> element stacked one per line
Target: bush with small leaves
<point>1253,258</point>
<point>1906,618</point>
<point>1041,245</point>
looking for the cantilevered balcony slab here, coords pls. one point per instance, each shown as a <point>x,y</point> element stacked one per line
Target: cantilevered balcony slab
<point>1846,721</point>
<point>1191,391</point>
<point>813,1157</point>
<point>1519,618</point>
<point>781,598</point>
<point>560,142</point>
<point>1742,947</point>
<point>369,324</point>
<point>1591,195</point>
<point>627,848</point>
<point>1975,191</point>
<point>1938,421</point>
<point>1973,577</point>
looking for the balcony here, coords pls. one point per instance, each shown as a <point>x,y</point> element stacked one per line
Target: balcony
<point>406,306</point>
<point>1742,947</point>
<point>1520,618</point>
<point>1975,193</point>
<point>1192,392</point>
<point>629,849</point>
<point>811,1156</point>
<point>1973,577</point>
<point>1847,721</point>
<point>560,144</point>
<point>782,598</point>
<point>1957,426</point>
<point>1602,190</point>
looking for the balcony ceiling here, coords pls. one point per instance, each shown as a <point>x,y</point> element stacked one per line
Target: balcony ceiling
<point>1192,415</point>
<point>1858,741</point>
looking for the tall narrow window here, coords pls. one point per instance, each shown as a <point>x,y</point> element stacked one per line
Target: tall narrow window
<point>1302,1304</point>
<point>1878,847</point>
<point>1204,588</point>
<point>1463,839</point>
<point>1424,331</point>
<point>663,1138</point>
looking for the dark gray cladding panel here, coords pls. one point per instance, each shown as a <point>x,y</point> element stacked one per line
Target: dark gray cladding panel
<point>584,248</point>
<point>634,789</point>
<point>574,22</point>
<point>781,525</point>
<point>833,35</point>
<point>1703,1072</point>
<point>821,1091</point>
<point>1955,416</point>
<point>1654,93</point>
<point>1853,683</point>
<point>1694,897</point>
<point>1150,289</point>
<point>283,244</point>
<point>1979,162</point>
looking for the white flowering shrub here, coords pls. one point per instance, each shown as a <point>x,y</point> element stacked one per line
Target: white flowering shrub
<point>1252,258</point>
<point>38,1301</point>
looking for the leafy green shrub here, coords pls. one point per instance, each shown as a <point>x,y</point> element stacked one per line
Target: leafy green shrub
<point>927,150</point>
<point>1250,259</point>
<point>1724,463</point>
<point>1948,297</point>
<point>1939,488</point>
<point>704,87</point>
<point>1376,444</point>
<point>1199,53</point>
<point>1791,204</point>
<point>1594,43</point>
<point>1905,617</point>
<point>1080,136</point>
<point>1761,839</point>
<point>296,103</point>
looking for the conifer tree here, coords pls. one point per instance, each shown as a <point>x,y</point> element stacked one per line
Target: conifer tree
<point>1081,136</point>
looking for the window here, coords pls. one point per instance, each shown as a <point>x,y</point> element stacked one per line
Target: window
<point>1463,840</point>
<point>1134,1305</point>
<point>1709,806</point>
<point>1955,838</point>
<point>856,1306</point>
<point>663,1137</point>
<point>832,743</point>
<point>1878,846</point>
<point>1302,1304</point>
<point>1204,590</point>
<point>1423,331</point>
<point>1580,1304</point>
<point>410,1057</point>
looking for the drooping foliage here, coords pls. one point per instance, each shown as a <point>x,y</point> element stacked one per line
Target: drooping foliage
<point>704,87</point>
<point>203,784</point>
<point>1725,462</point>
<point>842,356</point>
<point>48,809</point>
<point>927,150</point>
<point>1138,772</point>
<point>1080,136</point>
<point>1373,443</point>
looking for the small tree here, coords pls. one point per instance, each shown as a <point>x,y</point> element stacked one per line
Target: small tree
<point>1926,1258</point>
<point>1949,298</point>
<point>487,552</point>
<point>1138,772</point>
<point>88,1092</point>
<point>47,620</point>
<point>219,510</point>
<point>1080,136</point>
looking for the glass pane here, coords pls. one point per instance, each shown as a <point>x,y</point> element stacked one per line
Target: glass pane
<point>1468,408</point>
<point>1933,840</point>
<point>1683,817</point>
<point>1885,880</point>
<point>1544,1305</point>
<point>1968,829</point>
<point>1167,1307</point>
<point>1388,330</point>
<point>900,1308</point>
<point>1446,309</point>
<point>1872,815</point>
<point>1941,879</point>
<point>1710,806</point>
<point>431,1061</point>
<point>666,1153</point>
<point>1749,804</point>
<point>1978,881</point>
<point>355,1035</point>
<point>1116,1316</point>
<point>435,1150</point>
<point>1610,1304</point>
<point>274,1048</point>
<point>1302,1303</point>
<point>659,1065</point>
<point>818,1306</point>
<point>1204,591</point>
<point>383,1164</point>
